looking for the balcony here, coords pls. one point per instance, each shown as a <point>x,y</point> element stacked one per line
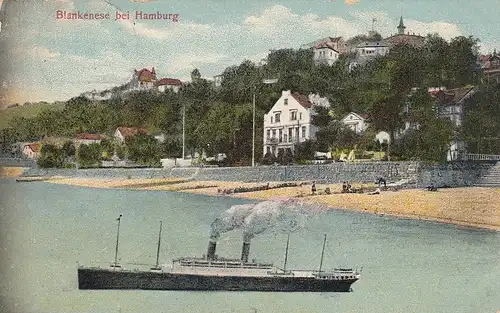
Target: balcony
<point>272,141</point>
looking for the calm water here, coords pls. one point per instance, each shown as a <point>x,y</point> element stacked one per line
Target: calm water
<point>408,266</point>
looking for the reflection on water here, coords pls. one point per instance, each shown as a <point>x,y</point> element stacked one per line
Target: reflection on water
<point>408,266</point>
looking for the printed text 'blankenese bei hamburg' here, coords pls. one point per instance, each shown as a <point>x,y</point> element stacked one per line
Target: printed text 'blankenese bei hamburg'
<point>137,15</point>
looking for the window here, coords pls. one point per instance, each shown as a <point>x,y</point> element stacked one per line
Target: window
<point>290,134</point>
<point>268,149</point>
<point>280,134</point>
<point>300,116</point>
<point>268,134</point>
<point>274,133</point>
<point>271,119</point>
<point>296,133</point>
<point>303,132</point>
<point>293,115</point>
<point>277,117</point>
<point>286,101</point>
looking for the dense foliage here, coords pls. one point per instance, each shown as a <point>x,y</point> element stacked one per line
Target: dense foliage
<point>219,120</point>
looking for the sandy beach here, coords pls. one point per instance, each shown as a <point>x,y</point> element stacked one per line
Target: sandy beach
<point>471,206</point>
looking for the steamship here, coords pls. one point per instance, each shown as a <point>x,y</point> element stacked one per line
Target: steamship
<point>211,273</point>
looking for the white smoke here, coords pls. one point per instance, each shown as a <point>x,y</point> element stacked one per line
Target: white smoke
<point>283,215</point>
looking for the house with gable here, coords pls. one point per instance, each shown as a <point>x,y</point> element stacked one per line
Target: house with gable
<point>32,150</point>
<point>288,123</point>
<point>328,50</point>
<point>490,65</point>
<point>356,122</point>
<point>169,83</point>
<point>452,104</point>
<point>87,138</point>
<point>143,79</point>
<point>122,133</point>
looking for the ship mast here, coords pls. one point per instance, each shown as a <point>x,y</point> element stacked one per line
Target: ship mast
<point>158,251</point>
<point>117,239</point>
<point>286,253</point>
<point>322,254</point>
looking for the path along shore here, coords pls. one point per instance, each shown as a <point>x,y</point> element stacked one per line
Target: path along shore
<point>468,206</point>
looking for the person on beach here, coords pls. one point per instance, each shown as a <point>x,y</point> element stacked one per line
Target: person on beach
<point>381,180</point>
<point>344,187</point>
<point>376,192</point>
<point>431,187</point>
<point>313,188</point>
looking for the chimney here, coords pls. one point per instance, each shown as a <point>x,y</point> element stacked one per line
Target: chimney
<point>285,93</point>
<point>212,244</point>
<point>245,250</point>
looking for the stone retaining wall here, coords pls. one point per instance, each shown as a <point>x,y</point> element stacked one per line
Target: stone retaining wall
<point>453,174</point>
<point>419,174</point>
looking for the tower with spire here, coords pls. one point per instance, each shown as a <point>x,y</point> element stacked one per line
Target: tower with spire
<point>401,27</point>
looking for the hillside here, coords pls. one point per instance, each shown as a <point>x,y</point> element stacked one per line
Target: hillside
<point>31,110</point>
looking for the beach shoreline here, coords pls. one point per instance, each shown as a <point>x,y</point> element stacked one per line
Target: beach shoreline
<point>472,207</point>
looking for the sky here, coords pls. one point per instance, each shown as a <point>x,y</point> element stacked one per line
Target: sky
<point>46,59</point>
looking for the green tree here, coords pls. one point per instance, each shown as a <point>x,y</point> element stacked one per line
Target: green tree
<point>68,149</point>
<point>107,148</point>
<point>305,151</point>
<point>89,155</point>
<point>144,149</point>
<point>50,156</point>
<point>481,127</point>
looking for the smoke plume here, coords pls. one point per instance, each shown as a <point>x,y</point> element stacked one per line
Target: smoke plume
<point>283,215</point>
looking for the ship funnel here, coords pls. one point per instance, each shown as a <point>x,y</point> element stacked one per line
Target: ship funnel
<point>212,244</point>
<point>245,250</point>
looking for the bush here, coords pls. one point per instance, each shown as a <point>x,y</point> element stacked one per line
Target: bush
<point>268,159</point>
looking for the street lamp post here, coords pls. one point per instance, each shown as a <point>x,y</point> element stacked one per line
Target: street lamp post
<point>266,82</point>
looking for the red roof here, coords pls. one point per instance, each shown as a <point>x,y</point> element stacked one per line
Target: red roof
<point>169,82</point>
<point>365,116</point>
<point>131,131</point>
<point>453,95</point>
<point>485,57</point>
<point>302,100</point>
<point>325,44</point>
<point>87,136</point>
<point>146,75</point>
<point>35,147</point>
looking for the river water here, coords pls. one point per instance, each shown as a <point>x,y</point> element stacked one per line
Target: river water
<point>408,266</point>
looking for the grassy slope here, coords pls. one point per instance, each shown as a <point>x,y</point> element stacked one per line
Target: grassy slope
<point>8,114</point>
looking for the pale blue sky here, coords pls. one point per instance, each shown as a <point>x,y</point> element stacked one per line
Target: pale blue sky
<point>49,59</point>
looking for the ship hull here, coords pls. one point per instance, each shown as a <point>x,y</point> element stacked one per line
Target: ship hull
<point>90,278</point>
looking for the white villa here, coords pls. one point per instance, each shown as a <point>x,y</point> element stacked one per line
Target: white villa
<point>356,122</point>
<point>123,133</point>
<point>86,139</point>
<point>169,83</point>
<point>289,122</point>
<point>32,150</point>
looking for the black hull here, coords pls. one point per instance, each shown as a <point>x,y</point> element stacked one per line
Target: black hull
<point>89,278</point>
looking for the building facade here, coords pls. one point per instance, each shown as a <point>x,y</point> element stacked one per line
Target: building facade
<point>169,84</point>
<point>288,123</point>
<point>327,50</point>
<point>402,38</point>
<point>123,133</point>
<point>367,51</point>
<point>144,79</point>
<point>356,122</point>
<point>32,150</point>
